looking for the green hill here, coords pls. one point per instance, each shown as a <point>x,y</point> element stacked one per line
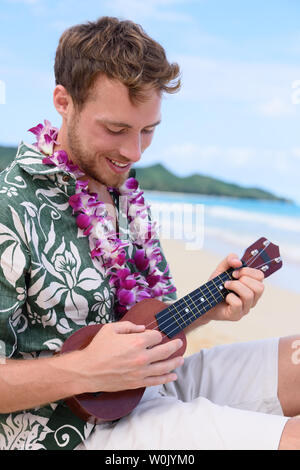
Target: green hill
<point>158,178</point>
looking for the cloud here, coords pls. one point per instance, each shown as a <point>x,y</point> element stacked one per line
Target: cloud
<point>296,153</point>
<point>277,107</point>
<point>274,169</point>
<point>264,88</point>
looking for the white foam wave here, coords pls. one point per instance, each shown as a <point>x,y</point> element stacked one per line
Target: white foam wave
<point>289,251</point>
<point>291,224</point>
<point>184,221</point>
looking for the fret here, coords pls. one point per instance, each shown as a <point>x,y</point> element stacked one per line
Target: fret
<point>165,321</point>
<point>209,288</point>
<point>174,305</point>
<point>223,278</point>
<point>189,308</point>
<point>204,297</point>
<point>187,311</point>
<point>181,313</point>
<point>192,309</point>
<point>219,287</point>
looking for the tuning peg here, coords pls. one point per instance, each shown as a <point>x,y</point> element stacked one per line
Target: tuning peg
<point>265,268</point>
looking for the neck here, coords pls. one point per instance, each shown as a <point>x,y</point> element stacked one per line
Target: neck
<point>94,186</point>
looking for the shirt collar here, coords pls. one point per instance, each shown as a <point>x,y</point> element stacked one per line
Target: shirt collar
<point>31,160</point>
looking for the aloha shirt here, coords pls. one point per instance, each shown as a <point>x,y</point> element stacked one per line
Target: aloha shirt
<point>49,286</point>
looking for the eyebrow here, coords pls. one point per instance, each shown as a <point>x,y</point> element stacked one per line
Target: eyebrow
<point>123,124</point>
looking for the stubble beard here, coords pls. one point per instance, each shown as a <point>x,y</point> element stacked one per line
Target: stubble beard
<point>88,162</point>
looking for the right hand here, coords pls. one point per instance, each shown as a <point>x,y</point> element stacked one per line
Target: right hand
<point>125,356</point>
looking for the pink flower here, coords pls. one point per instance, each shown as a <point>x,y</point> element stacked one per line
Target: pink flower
<point>75,202</point>
<point>126,297</point>
<point>83,221</point>
<point>130,184</point>
<point>140,260</point>
<point>46,137</point>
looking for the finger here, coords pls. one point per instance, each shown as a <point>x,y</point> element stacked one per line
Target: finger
<point>256,286</point>
<point>163,351</point>
<point>159,380</point>
<point>124,327</point>
<point>245,294</point>
<point>164,367</point>
<point>250,272</point>
<point>231,261</point>
<point>234,310</point>
<point>149,338</point>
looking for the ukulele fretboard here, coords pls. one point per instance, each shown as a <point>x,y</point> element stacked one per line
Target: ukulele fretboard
<point>192,306</point>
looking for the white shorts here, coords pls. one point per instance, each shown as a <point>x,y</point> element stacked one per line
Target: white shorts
<point>225,398</point>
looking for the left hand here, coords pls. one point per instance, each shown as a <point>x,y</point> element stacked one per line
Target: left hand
<point>248,286</point>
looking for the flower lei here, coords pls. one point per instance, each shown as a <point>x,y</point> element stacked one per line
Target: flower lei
<point>92,218</point>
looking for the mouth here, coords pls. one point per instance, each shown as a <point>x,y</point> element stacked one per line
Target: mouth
<point>118,167</point>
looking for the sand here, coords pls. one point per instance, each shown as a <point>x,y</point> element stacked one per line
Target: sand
<point>276,314</point>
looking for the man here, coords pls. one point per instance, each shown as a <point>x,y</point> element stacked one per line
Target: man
<point>110,77</point>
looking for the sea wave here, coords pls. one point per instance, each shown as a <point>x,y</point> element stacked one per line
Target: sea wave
<point>234,227</point>
<point>272,220</point>
<point>289,251</point>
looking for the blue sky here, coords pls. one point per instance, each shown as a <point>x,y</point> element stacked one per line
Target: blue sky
<point>237,116</point>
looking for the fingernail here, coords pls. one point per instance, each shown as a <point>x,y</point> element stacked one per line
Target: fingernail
<point>235,274</point>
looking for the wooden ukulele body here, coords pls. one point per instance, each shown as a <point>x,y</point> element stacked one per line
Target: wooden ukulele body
<point>110,406</point>
<point>170,321</point>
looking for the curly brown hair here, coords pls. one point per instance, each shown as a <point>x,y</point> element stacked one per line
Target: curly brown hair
<point>119,49</point>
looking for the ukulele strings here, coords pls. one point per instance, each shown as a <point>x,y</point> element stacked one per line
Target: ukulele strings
<point>257,255</point>
<point>196,298</point>
<point>246,262</point>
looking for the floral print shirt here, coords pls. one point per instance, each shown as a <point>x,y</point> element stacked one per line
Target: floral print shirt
<point>49,288</point>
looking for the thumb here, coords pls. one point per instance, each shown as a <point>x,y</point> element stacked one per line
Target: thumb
<point>231,261</point>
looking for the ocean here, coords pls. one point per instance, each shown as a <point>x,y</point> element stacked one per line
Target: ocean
<point>224,225</point>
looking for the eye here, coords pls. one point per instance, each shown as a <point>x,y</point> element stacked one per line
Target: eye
<point>148,131</point>
<point>114,132</point>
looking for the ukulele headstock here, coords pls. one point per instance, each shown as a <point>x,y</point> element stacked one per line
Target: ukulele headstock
<point>263,255</point>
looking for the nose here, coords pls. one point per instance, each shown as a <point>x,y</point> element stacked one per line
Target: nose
<point>132,148</point>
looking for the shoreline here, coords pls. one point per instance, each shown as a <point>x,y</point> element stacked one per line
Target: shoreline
<point>156,192</point>
<point>276,314</point>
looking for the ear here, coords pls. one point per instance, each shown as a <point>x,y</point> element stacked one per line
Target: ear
<point>62,100</point>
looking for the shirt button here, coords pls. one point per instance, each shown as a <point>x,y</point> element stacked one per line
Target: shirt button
<point>66,178</point>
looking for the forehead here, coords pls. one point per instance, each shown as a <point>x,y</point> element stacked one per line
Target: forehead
<point>110,99</point>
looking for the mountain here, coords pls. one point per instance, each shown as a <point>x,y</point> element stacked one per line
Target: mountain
<point>158,178</point>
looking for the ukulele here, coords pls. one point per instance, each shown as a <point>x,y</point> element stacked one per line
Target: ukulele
<point>170,320</point>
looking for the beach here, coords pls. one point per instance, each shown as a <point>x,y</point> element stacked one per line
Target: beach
<point>276,314</point>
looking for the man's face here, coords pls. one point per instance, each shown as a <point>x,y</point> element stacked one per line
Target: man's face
<point>110,130</point>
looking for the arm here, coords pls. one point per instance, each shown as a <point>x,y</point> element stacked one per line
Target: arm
<point>122,356</point>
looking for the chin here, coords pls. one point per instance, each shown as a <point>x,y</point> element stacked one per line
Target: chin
<point>114,182</point>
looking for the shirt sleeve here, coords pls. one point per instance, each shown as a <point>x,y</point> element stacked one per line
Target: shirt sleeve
<point>14,263</point>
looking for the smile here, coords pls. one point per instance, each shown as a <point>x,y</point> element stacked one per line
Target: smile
<point>118,167</point>
<point>121,165</point>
